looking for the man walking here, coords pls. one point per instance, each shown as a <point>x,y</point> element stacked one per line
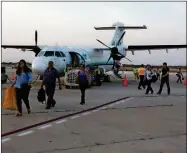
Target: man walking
<point>141,72</point>
<point>164,78</point>
<point>49,81</point>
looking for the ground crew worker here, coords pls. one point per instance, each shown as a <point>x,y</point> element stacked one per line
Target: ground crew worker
<point>164,78</point>
<point>134,71</point>
<point>66,68</point>
<point>158,73</point>
<point>137,77</point>
<point>97,76</point>
<point>49,81</point>
<point>141,72</point>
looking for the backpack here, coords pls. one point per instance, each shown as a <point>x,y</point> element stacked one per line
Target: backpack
<point>41,95</point>
<point>154,78</point>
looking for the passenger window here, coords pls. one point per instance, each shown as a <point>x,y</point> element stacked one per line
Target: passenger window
<point>49,53</point>
<point>63,55</point>
<point>40,53</point>
<point>57,54</point>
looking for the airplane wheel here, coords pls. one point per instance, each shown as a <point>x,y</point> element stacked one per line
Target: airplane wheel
<point>41,77</point>
<point>67,87</point>
<point>106,78</point>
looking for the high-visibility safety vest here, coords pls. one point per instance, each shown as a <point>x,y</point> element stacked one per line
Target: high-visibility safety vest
<point>141,71</point>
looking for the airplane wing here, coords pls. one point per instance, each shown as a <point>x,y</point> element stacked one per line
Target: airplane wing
<point>133,48</point>
<point>101,49</point>
<point>33,48</point>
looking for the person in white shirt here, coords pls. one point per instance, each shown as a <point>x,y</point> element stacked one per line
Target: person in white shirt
<point>148,78</point>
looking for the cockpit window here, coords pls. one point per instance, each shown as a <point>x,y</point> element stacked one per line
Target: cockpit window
<point>49,53</point>
<point>57,54</point>
<point>41,53</point>
<point>63,55</point>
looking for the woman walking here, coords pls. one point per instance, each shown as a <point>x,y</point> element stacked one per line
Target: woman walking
<point>82,80</point>
<point>23,85</point>
<point>148,77</point>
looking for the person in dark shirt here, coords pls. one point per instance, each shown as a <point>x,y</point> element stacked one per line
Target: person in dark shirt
<point>83,83</point>
<point>164,79</point>
<point>49,81</point>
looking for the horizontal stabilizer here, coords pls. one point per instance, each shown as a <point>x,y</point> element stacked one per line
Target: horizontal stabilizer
<point>121,27</point>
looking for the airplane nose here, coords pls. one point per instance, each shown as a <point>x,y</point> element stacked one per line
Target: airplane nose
<point>39,65</point>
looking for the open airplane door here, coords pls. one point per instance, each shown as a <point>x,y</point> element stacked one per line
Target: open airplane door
<point>76,58</point>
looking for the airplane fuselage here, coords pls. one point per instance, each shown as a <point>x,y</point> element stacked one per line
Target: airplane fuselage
<point>61,56</point>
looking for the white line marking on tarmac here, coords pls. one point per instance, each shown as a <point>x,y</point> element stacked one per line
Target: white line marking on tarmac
<point>111,105</point>
<point>73,117</point>
<point>104,107</point>
<point>64,120</point>
<point>86,113</point>
<point>45,126</point>
<point>25,133</point>
<point>61,121</point>
<point>5,140</point>
<point>95,111</point>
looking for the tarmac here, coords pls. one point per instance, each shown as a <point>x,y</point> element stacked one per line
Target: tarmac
<point>139,124</point>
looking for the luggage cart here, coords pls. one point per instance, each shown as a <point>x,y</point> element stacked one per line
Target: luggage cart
<point>70,79</point>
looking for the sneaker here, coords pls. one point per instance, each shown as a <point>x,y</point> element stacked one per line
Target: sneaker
<point>82,103</point>
<point>28,111</point>
<point>53,104</point>
<point>48,107</point>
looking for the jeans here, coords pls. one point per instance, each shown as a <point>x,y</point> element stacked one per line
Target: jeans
<point>50,91</point>
<point>141,83</point>
<point>163,81</point>
<point>82,87</point>
<point>149,88</point>
<point>22,94</point>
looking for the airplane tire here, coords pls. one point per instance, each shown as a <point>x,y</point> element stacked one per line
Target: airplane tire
<point>106,78</point>
<point>41,77</point>
<point>67,87</point>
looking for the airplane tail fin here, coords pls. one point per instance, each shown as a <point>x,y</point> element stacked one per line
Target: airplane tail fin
<point>119,29</point>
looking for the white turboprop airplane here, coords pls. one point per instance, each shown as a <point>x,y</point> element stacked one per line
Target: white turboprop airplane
<point>104,57</point>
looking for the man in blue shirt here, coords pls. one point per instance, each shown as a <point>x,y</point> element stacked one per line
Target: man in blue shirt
<point>49,81</point>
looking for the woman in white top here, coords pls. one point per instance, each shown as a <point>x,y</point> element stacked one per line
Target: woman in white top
<point>148,77</point>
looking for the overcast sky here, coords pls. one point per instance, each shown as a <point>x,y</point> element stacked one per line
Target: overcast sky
<point>73,24</point>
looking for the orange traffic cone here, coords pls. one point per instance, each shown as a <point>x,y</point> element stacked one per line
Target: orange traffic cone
<point>12,77</point>
<point>125,81</point>
<point>185,81</point>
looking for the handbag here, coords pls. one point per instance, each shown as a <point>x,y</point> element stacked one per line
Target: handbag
<point>41,95</point>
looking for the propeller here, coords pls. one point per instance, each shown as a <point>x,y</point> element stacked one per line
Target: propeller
<point>36,37</point>
<point>115,54</point>
<point>36,49</point>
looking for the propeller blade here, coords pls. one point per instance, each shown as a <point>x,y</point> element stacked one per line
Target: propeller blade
<point>120,38</point>
<point>127,59</point>
<point>36,37</point>
<point>103,43</point>
<point>108,60</point>
<point>121,54</point>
